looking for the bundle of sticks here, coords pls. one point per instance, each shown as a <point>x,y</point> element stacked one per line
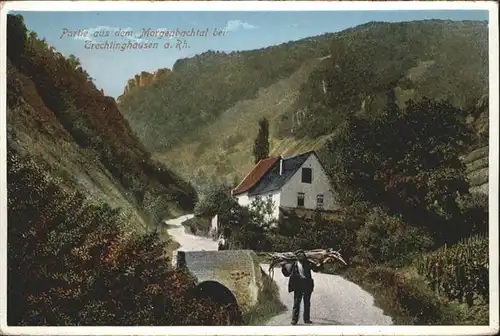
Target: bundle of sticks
<point>315,256</point>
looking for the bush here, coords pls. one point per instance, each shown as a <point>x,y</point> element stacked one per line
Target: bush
<point>71,262</point>
<point>473,218</point>
<point>460,272</point>
<point>198,225</point>
<point>320,231</point>
<point>387,239</point>
<point>407,299</point>
<point>269,303</point>
<point>216,200</point>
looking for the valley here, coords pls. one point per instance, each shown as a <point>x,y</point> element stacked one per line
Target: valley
<point>307,88</point>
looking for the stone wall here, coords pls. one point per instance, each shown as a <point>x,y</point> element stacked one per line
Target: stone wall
<point>235,269</point>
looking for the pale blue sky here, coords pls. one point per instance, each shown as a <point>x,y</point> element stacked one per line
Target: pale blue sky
<point>246,30</point>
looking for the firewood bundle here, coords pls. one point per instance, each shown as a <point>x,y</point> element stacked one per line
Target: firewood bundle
<point>315,256</point>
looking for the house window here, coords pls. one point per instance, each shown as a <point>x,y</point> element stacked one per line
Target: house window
<point>306,175</point>
<point>319,201</point>
<point>300,199</point>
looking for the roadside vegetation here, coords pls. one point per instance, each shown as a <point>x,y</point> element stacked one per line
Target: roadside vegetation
<point>86,269</point>
<point>268,304</point>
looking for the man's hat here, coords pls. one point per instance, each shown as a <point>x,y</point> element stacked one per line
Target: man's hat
<point>299,252</point>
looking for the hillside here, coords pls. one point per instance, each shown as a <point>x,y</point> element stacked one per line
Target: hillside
<point>57,117</point>
<point>305,88</point>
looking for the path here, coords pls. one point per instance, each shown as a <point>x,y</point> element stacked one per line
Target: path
<point>335,301</point>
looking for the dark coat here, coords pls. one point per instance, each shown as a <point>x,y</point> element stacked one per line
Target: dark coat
<point>296,283</point>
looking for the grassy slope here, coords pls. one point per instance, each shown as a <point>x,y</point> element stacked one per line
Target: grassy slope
<point>224,148</point>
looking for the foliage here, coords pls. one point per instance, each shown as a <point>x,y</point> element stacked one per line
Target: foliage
<point>70,262</point>
<point>61,86</point>
<point>16,37</point>
<point>269,303</point>
<point>407,299</point>
<point>217,200</point>
<point>387,239</point>
<point>460,271</point>
<point>250,224</point>
<point>198,226</point>
<point>261,144</point>
<point>474,210</point>
<point>404,160</point>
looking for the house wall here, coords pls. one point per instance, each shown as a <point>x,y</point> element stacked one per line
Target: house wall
<point>245,200</point>
<point>320,185</point>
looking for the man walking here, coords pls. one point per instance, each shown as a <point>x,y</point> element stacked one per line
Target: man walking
<point>301,284</point>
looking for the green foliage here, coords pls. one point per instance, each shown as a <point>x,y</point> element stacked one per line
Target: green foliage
<point>269,303</point>
<point>199,225</point>
<point>406,161</point>
<point>407,299</point>
<point>71,263</point>
<point>250,224</point>
<point>387,239</point>
<point>16,35</point>
<point>460,272</point>
<point>216,200</point>
<point>261,144</point>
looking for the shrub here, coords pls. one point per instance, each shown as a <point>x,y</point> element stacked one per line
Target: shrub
<point>385,239</point>
<point>70,262</point>
<point>407,299</point>
<point>198,225</point>
<point>460,271</point>
<point>216,200</point>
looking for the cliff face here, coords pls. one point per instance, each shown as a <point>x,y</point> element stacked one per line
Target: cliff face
<point>57,116</point>
<point>144,79</point>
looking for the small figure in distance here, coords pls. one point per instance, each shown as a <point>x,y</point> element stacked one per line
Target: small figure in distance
<point>301,283</point>
<point>223,243</point>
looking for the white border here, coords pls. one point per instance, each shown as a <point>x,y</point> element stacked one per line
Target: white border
<point>265,6</point>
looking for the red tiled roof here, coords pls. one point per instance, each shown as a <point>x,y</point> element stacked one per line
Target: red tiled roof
<point>255,175</point>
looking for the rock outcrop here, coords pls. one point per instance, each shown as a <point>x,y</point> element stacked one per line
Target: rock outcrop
<point>144,79</point>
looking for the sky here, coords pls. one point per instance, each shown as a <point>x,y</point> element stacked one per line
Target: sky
<point>243,30</point>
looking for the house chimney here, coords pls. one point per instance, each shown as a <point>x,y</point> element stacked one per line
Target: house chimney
<point>281,166</point>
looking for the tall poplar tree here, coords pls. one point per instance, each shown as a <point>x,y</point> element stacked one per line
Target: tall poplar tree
<point>261,144</point>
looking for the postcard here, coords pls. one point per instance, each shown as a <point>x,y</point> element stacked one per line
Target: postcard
<point>249,168</point>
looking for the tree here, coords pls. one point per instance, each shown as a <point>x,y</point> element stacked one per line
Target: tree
<point>405,160</point>
<point>261,144</point>
<point>74,62</point>
<point>16,36</point>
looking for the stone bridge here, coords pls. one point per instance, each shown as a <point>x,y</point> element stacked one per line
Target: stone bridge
<point>232,275</point>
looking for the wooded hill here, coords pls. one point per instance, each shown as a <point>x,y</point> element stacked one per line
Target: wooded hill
<point>57,116</point>
<point>202,118</point>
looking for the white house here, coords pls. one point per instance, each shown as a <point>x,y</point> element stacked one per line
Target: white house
<point>294,182</point>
